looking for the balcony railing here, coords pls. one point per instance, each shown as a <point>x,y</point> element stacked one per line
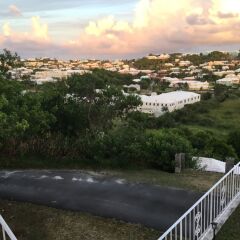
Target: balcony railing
<point>7,233</point>
<point>200,218</point>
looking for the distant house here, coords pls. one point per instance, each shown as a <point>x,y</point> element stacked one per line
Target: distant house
<point>192,85</point>
<point>229,80</point>
<point>133,86</point>
<point>158,57</point>
<point>159,104</point>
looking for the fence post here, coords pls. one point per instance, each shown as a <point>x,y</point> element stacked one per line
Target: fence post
<point>178,163</point>
<point>183,160</point>
<point>229,164</point>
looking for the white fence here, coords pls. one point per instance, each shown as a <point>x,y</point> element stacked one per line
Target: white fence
<point>6,231</point>
<point>198,220</point>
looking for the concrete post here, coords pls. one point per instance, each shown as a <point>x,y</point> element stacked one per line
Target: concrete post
<point>178,163</point>
<point>229,164</point>
<point>183,159</point>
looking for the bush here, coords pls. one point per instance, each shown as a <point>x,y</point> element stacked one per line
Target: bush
<point>161,147</point>
<point>122,147</point>
<point>234,140</point>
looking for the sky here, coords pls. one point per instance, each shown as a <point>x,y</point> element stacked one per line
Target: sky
<point>110,29</point>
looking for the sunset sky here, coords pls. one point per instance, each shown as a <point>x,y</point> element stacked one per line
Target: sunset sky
<point>118,29</point>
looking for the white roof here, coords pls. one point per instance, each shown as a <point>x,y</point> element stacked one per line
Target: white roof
<point>170,97</point>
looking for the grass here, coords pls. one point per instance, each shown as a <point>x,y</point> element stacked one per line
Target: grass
<point>231,229</point>
<point>32,222</point>
<point>225,116</point>
<point>188,179</point>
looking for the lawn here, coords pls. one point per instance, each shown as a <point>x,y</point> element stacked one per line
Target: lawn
<point>225,118</point>
<point>32,222</point>
<point>188,179</point>
<point>231,229</point>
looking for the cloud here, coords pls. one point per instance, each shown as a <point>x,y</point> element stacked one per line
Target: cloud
<point>156,26</point>
<point>14,10</point>
<point>39,30</point>
<point>106,25</point>
<point>227,15</point>
<point>6,29</point>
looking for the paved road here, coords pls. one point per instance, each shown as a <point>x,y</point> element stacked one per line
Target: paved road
<point>153,206</point>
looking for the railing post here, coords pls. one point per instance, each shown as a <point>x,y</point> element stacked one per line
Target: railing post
<point>4,234</point>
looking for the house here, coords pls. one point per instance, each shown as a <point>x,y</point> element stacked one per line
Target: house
<point>133,86</point>
<point>192,85</point>
<point>229,80</point>
<point>159,104</point>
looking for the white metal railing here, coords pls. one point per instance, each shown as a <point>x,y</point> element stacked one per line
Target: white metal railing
<point>197,221</point>
<point>6,231</point>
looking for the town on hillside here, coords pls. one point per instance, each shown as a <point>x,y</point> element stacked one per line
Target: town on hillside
<point>151,76</point>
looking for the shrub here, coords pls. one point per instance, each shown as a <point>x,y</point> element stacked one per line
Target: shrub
<point>161,147</point>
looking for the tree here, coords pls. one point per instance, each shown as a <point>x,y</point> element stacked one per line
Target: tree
<point>234,140</point>
<point>8,61</point>
<point>221,92</point>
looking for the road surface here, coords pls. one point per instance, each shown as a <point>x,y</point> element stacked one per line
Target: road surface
<point>152,206</point>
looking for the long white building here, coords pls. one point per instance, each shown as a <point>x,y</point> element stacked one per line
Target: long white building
<point>159,104</point>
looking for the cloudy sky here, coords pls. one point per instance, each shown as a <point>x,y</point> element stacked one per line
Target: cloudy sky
<point>118,29</point>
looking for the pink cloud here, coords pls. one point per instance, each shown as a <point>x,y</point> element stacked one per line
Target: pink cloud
<point>156,26</point>
<point>14,10</point>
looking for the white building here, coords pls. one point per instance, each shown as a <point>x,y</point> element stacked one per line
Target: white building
<point>58,73</point>
<point>184,63</point>
<point>229,80</point>
<point>158,104</point>
<point>18,73</point>
<point>135,86</point>
<point>41,81</point>
<point>158,57</point>
<point>192,85</point>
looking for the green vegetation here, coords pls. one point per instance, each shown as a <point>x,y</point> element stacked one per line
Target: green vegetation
<point>211,126</point>
<point>195,59</point>
<point>30,222</point>
<point>188,179</point>
<point>231,229</point>
<point>87,121</point>
<point>72,123</point>
<point>212,56</point>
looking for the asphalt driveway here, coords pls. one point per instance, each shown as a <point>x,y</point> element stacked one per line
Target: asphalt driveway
<point>153,206</point>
